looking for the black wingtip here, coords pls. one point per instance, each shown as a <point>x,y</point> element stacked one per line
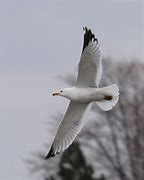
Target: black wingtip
<point>50,153</point>
<point>88,36</point>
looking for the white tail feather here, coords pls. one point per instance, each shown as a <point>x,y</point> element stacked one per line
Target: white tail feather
<point>113,91</point>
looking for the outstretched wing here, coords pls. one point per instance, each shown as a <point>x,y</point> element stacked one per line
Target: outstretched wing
<point>69,127</point>
<point>90,65</point>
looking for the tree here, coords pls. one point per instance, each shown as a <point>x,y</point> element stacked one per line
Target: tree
<point>73,165</point>
<point>119,134</point>
<point>116,138</point>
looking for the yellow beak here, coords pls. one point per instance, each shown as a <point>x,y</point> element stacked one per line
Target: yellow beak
<point>55,94</point>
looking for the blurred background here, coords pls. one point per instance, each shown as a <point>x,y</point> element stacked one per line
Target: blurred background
<point>40,47</point>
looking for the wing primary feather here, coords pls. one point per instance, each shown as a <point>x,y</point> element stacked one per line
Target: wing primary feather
<point>50,153</point>
<point>88,36</point>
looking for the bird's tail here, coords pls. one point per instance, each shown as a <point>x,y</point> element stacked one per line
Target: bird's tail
<point>111,96</point>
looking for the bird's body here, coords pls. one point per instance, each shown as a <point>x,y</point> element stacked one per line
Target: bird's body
<point>82,95</point>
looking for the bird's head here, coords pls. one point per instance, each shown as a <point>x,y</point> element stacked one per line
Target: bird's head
<point>66,92</point>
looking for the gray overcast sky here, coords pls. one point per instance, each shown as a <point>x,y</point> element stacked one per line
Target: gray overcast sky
<point>40,39</point>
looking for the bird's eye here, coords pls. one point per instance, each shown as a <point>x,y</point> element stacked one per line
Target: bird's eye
<point>61,91</point>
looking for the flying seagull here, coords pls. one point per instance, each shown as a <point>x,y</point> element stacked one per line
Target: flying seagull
<point>82,95</point>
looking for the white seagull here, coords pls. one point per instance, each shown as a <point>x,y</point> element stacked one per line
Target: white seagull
<point>82,95</point>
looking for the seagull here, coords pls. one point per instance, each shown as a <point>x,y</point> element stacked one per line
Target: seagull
<point>83,94</point>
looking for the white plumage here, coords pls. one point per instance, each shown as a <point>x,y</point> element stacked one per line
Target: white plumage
<point>83,94</point>
<point>70,125</point>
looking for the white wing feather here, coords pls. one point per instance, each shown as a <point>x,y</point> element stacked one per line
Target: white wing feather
<point>89,74</point>
<point>90,65</point>
<point>69,127</point>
